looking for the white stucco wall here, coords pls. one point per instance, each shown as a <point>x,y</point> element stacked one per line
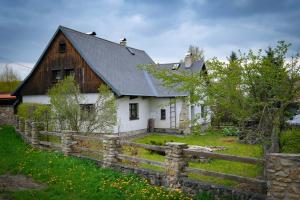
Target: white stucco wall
<point>89,98</point>
<point>42,99</point>
<point>149,107</point>
<point>124,123</point>
<point>156,104</point>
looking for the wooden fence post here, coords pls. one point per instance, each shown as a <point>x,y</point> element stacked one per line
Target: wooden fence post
<point>67,142</point>
<point>111,149</point>
<point>175,164</point>
<point>34,134</point>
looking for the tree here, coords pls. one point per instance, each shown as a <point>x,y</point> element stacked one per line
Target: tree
<point>256,87</point>
<point>197,54</point>
<point>9,79</point>
<point>104,116</point>
<point>233,57</point>
<point>66,100</point>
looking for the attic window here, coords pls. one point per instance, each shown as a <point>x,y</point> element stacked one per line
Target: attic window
<point>62,47</point>
<point>175,66</point>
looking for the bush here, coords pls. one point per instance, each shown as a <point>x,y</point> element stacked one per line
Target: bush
<point>35,112</point>
<point>290,141</point>
<point>230,131</point>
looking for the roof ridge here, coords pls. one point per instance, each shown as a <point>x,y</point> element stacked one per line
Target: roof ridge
<point>99,38</point>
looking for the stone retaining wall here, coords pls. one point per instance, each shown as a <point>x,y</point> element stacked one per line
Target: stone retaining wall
<point>283,176</point>
<point>6,115</point>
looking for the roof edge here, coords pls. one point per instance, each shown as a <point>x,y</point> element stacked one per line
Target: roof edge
<point>38,61</point>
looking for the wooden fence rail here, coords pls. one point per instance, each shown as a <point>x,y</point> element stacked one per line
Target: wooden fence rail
<point>225,176</point>
<point>145,146</point>
<point>140,160</point>
<point>224,157</point>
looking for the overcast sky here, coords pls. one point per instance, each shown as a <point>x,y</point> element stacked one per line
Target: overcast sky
<point>164,29</point>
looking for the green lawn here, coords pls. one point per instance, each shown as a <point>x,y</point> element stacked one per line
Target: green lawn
<point>210,139</point>
<point>70,178</point>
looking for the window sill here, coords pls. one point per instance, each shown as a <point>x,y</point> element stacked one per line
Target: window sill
<point>134,119</point>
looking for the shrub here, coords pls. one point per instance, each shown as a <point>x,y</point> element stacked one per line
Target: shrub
<point>230,131</point>
<point>290,141</point>
<point>35,112</point>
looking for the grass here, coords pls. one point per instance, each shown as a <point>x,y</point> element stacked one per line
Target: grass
<point>290,141</point>
<point>68,177</point>
<point>210,139</point>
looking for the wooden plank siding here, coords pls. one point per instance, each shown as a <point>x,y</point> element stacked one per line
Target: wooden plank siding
<point>41,79</point>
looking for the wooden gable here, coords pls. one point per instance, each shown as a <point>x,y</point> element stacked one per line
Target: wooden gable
<point>60,58</point>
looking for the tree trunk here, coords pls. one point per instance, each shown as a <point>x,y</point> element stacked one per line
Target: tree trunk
<point>275,133</point>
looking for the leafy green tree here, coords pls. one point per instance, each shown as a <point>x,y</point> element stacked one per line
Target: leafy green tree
<point>9,79</point>
<point>104,116</point>
<point>66,100</point>
<point>255,87</point>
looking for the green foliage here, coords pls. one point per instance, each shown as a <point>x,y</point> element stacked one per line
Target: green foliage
<point>9,79</point>
<point>104,117</point>
<point>230,131</point>
<point>290,141</point>
<point>205,196</point>
<point>196,53</point>
<point>9,86</point>
<point>250,87</point>
<point>69,177</point>
<point>65,101</point>
<point>36,112</point>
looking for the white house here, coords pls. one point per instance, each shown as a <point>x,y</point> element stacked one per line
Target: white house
<point>95,61</point>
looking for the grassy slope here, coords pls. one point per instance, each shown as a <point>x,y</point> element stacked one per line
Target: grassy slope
<point>211,139</point>
<point>70,178</point>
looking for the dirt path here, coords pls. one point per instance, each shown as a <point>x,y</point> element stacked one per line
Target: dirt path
<point>13,183</point>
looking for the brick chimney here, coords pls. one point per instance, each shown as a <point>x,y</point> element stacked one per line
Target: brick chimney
<point>188,60</point>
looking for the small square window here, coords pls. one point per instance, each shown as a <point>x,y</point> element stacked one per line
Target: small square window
<point>163,114</point>
<point>62,47</point>
<point>56,75</point>
<point>133,111</point>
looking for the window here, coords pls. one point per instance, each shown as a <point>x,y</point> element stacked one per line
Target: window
<point>87,110</point>
<point>69,72</point>
<point>56,75</point>
<point>133,111</point>
<point>62,47</point>
<point>163,114</point>
<point>203,113</point>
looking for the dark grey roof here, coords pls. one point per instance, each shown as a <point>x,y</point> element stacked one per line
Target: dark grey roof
<point>117,65</point>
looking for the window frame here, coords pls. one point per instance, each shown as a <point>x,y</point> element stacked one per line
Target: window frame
<point>64,49</point>
<point>133,107</point>
<point>54,78</point>
<point>163,114</point>
<point>69,70</point>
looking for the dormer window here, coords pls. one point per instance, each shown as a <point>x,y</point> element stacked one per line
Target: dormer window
<point>62,47</point>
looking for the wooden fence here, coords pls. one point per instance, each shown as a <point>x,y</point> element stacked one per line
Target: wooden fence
<point>107,149</point>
